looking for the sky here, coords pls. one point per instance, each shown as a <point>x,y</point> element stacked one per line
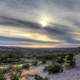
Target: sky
<point>40,23</point>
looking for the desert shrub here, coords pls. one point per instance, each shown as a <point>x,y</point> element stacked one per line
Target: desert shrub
<point>2,73</point>
<point>2,76</point>
<point>60,60</point>
<point>43,61</point>
<point>71,60</point>
<point>26,66</point>
<point>37,77</point>
<point>35,63</point>
<point>15,77</point>
<point>54,68</point>
<point>72,63</point>
<point>70,57</point>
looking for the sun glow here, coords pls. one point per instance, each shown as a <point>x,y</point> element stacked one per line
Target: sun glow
<point>43,21</point>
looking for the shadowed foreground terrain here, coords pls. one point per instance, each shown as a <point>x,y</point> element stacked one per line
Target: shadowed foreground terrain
<point>39,64</point>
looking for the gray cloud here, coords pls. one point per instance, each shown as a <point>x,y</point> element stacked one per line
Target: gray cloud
<point>63,14</point>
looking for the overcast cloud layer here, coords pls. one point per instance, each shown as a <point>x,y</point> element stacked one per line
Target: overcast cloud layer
<point>20,23</point>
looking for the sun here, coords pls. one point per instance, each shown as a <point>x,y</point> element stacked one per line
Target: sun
<point>43,23</point>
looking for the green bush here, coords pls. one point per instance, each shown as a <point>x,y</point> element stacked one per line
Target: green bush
<point>26,66</point>
<point>54,68</point>
<point>43,61</point>
<point>15,77</point>
<point>60,60</point>
<point>37,77</point>
<point>70,57</point>
<point>72,63</point>
<point>71,60</point>
<point>2,73</point>
<point>35,63</point>
<point>2,76</point>
<point>46,78</point>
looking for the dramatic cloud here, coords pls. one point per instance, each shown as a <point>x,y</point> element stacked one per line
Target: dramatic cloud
<point>40,23</point>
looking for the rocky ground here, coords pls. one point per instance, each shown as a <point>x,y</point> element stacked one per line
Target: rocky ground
<point>72,74</point>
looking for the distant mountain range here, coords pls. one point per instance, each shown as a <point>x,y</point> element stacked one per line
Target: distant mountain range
<point>42,49</point>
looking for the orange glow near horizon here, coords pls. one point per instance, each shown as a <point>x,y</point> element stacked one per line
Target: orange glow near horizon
<point>37,46</point>
<point>40,46</point>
